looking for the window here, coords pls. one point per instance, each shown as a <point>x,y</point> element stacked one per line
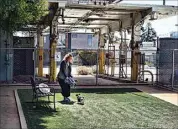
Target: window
<point>90,40</point>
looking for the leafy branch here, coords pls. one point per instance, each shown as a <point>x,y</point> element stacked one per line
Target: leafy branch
<point>15,14</point>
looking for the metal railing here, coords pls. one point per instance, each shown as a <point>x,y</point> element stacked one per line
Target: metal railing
<point>141,73</point>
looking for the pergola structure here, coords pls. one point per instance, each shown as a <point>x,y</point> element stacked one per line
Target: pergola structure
<point>102,18</point>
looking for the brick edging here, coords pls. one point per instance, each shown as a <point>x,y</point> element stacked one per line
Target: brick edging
<point>23,122</point>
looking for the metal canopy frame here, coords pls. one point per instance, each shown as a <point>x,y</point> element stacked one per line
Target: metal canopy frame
<point>98,16</point>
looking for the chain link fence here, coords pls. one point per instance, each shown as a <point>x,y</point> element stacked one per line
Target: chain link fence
<point>18,64</point>
<point>146,62</point>
<point>84,67</point>
<point>167,69</point>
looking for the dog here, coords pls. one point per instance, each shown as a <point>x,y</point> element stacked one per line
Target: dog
<point>80,99</point>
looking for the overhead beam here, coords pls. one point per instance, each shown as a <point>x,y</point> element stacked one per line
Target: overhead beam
<point>103,19</point>
<point>102,15</point>
<point>100,7</point>
<point>113,13</point>
<point>117,1</point>
<point>102,24</point>
<point>27,29</point>
<point>79,27</point>
<point>93,19</point>
<point>138,17</point>
<point>88,14</point>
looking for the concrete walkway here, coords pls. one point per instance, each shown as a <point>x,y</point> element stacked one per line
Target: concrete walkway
<point>9,118</point>
<point>163,94</point>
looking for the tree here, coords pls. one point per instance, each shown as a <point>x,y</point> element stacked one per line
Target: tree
<point>148,34</point>
<point>15,14</point>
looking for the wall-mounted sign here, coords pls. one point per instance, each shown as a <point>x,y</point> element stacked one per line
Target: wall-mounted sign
<point>58,56</point>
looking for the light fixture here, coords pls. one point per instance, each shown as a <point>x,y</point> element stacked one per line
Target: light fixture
<point>61,11</point>
<point>153,16</point>
<point>63,21</point>
<point>129,30</point>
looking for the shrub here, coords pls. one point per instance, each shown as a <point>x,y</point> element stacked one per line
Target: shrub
<point>94,70</point>
<point>88,57</point>
<point>83,70</point>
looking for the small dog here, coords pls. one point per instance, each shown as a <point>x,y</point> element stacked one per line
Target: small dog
<point>80,99</point>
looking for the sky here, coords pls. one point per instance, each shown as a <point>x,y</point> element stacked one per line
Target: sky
<point>164,26</point>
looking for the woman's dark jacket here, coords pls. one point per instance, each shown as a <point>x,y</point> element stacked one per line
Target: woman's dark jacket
<point>65,70</point>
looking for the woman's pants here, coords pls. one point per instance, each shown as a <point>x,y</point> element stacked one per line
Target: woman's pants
<point>65,88</point>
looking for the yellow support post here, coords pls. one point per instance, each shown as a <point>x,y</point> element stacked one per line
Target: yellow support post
<point>135,49</point>
<point>53,42</point>
<point>101,61</point>
<point>40,63</point>
<point>40,55</point>
<point>53,62</point>
<point>134,68</point>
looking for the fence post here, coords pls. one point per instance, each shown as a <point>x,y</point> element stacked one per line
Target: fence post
<point>97,58</point>
<point>34,64</point>
<point>157,66</point>
<point>172,85</point>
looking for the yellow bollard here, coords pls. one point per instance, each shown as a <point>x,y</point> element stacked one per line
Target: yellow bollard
<point>53,63</point>
<point>134,65</point>
<point>40,62</point>
<point>101,61</point>
<point>40,54</point>
<point>113,62</point>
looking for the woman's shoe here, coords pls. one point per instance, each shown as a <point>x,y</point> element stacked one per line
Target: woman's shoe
<point>65,100</point>
<point>68,100</point>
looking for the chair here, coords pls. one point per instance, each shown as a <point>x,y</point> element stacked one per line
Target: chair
<point>37,93</point>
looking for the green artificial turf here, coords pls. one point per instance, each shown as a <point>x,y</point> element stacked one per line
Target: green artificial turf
<point>103,109</point>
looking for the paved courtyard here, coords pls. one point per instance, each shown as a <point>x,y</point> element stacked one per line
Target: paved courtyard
<point>127,71</point>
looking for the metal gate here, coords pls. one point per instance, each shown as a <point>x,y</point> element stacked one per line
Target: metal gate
<point>23,62</point>
<point>167,68</point>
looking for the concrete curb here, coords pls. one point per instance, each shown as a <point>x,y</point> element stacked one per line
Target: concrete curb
<point>99,85</point>
<point>23,122</point>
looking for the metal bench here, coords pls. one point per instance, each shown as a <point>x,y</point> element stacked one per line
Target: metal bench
<point>37,93</point>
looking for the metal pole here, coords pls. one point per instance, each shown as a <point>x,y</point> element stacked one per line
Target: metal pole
<point>125,35</point>
<point>157,61</point>
<point>133,64</point>
<point>164,2</point>
<point>120,52</point>
<point>97,67</point>
<point>34,64</point>
<point>108,59</point>
<point>172,85</point>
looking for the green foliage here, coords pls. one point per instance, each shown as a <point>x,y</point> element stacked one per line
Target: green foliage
<point>18,13</point>
<point>148,33</point>
<point>88,57</point>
